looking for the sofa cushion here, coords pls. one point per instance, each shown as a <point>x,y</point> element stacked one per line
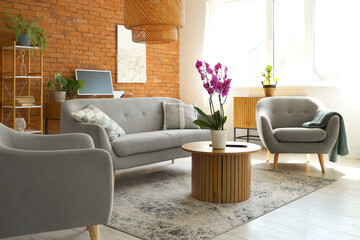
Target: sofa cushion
<point>299,134</point>
<point>91,114</point>
<point>157,140</point>
<point>179,116</point>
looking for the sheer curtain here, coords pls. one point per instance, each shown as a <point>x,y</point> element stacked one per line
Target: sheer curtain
<point>235,35</point>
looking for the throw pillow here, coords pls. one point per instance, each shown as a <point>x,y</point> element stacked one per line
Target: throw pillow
<point>91,114</point>
<point>179,116</point>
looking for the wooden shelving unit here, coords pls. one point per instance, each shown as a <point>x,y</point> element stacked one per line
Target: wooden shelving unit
<point>13,84</point>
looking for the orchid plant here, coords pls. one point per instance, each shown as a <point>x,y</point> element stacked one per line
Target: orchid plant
<point>217,84</point>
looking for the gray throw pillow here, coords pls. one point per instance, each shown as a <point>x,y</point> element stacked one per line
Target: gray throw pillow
<point>91,114</point>
<point>179,116</point>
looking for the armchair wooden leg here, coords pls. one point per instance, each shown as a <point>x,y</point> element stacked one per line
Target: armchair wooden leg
<point>321,160</point>
<point>268,156</point>
<point>94,232</point>
<point>276,159</point>
<point>173,161</point>
<point>114,174</point>
<point>308,158</point>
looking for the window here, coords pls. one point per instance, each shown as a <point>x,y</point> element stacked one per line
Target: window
<point>307,41</point>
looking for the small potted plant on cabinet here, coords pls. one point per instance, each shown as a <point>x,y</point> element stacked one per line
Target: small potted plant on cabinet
<point>269,84</point>
<point>63,87</point>
<point>27,32</point>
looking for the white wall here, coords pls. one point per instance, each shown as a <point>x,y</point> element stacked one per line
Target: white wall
<point>345,100</point>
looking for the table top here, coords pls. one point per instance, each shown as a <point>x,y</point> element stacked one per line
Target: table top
<point>204,148</point>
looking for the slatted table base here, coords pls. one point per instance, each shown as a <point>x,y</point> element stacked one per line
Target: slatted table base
<point>221,178</point>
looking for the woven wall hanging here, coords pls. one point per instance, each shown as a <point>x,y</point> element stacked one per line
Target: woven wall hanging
<point>154,21</point>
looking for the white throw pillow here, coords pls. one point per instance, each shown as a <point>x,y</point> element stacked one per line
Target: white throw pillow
<point>91,114</point>
<point>179,116</point>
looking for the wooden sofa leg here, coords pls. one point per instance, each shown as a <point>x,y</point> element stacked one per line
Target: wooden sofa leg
<point>94,232</point>
<point>308,158</point>
<point>276,159</point>
<point>321,160</point>
<point>268,156</point>
<point>173,161</point>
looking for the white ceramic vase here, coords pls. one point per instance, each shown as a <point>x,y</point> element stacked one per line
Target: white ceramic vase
<point>59,96</point>
<point>218,138</point>
<point>20,124</point>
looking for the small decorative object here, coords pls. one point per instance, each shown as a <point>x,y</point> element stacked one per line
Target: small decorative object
<point>22,64</point>
<point>63,87</point>
<point>216,82</point>
<point>20,124</point>
<point>269,89</point>
<point>154,21</point>
<point>27,32</point>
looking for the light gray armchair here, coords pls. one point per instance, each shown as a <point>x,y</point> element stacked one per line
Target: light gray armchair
<point>279,122</point>
<point>52,182</point>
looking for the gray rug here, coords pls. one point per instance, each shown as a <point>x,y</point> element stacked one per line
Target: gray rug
<point>159,205</point>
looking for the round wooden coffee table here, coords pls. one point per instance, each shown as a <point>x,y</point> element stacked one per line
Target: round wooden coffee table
<point>221,176</point>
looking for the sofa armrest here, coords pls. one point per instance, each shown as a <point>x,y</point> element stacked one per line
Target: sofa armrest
<point>51,142</point>
<point>53,190</point>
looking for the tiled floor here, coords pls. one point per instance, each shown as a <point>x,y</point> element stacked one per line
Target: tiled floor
<point>332,212</point>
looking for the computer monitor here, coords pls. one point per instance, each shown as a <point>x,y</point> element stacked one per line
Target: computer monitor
<point>96,82</point>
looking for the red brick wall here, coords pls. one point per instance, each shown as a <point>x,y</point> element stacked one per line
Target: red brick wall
<point>82,34</point>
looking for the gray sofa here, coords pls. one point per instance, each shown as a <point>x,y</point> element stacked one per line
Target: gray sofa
<point>142,119</point>
<point>52,182</point>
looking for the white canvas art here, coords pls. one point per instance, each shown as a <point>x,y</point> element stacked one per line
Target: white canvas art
<point>131,58</point>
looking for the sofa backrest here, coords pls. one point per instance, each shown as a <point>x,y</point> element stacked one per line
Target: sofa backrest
<point>289,111</point>
<point>134,115</point>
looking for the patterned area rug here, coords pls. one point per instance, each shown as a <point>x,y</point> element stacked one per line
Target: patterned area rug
<point>159,205</point>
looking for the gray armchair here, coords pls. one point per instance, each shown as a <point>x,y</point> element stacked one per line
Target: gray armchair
<point>52,182</point>
<point>279,122</point>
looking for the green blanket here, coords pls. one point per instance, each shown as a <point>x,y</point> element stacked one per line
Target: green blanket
<point>320,121</point>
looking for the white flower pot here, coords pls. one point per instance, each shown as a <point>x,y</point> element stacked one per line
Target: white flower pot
<point>218,138</point>
<point>59,96</point>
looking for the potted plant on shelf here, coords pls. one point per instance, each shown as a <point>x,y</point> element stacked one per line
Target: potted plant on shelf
<point>27,33</point>
<point>269,84</point>
<point>217,83</point>
<point>63,87</point>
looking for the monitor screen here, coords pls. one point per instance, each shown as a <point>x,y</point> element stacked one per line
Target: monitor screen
<point>95,82</point>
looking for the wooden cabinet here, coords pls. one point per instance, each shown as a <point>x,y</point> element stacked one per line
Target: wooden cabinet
<point>22,77</point>
<point>245,116</point>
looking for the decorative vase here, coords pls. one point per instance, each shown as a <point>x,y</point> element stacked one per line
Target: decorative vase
<point>269,90</point>
<point>59,96</point>
<point>20,124</point>
<point>23,41</point>
<point>218,138</point>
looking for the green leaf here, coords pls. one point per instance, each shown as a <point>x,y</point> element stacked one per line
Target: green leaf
<point>203,124</point>
<point>218,121</point>
<point>224,120</point>
<point>204,115</point>
<point>81,84</point>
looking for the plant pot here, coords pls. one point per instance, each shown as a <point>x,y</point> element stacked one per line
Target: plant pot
<point>23,41</point>
<point>59,96</point>
<point>269,90</point>
<point>218,138</point>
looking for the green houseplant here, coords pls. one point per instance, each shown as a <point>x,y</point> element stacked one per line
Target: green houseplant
<point>63,87</point>
<point>269,84</point>
<point>27,32</point>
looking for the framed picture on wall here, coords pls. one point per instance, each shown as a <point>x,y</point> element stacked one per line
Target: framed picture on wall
<point>131,58</point>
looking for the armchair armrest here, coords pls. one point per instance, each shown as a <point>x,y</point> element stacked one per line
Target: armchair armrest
<point>332,129</point>
<point>51,142</point>
<point>53,190</point>
<point>97,133</point>
<point>266,133</point>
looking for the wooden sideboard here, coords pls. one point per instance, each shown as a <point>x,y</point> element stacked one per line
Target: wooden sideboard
<point>245,116</point>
